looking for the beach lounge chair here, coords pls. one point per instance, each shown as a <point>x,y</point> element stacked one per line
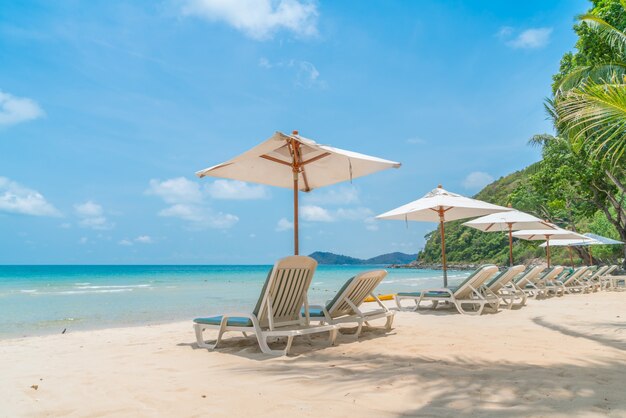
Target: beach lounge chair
<point>571,283</point>
<point>613,282</point>
<point>278,312</point>
<point>504,286</point>
<point>548,282</point>
<point>526,281</point>
<point>345,307</point>
<point>593,280</point>
<point>604,278</point>
<point>470,293</point>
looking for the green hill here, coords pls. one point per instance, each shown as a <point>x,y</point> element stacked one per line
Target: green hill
<point>391,258</point>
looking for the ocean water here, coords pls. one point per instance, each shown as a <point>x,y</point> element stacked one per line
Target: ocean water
<point>38,300</point>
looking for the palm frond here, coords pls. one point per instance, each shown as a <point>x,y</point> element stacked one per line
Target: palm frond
<point>598,74</point>
<point>614,37</point>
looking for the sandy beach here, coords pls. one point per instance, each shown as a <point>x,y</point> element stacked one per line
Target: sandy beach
<point>558,357</point>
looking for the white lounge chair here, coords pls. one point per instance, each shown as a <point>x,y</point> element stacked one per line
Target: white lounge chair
<point>504,286</point>
<point>593,280</point>
<point>277,312</point>
<point>571,283</point>
<point>548,282</point>
<point>471,292</point>
<point>526,281</point>
<point>345,307</point>
<point>605,278</point>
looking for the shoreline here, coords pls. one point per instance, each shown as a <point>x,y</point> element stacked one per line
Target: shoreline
<point>432,363</point>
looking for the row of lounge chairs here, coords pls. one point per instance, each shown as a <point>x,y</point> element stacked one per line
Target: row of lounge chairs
<point>283,310</point>
<point>487,287</point>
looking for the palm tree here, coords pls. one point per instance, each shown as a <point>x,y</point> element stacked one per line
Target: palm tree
<point>589,106</point>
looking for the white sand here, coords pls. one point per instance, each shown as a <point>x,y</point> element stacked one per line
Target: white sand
<point>558,357</point>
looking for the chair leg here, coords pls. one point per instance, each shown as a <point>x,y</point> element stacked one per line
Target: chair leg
<point>389,322</point>
<point>333,336</point>
<point>200,338</point>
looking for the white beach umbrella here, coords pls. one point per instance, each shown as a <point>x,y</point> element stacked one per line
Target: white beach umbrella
<point>440,205</point>
<point>547,235</point>
<point>508,221</point>
<point>297,163</point>
<point>591,239</point>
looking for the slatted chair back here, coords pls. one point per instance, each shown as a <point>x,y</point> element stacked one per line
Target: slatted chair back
<point>475,281</point>
<point>285,293</point>
<point>504,278</point>
<point>355,290</point>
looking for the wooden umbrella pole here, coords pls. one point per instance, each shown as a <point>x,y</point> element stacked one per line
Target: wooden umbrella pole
<point>443,247</point>
<point>590,256</point>
<point>296,169</point>
<point>510,244</point>
<point>548,249</point>
<point>571,258</point>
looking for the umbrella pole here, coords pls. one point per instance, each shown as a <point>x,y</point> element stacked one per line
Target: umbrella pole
<point>510,244</point>
<point>296,250</point>
<point>443,247</point>
<point>548,249</point>
<point>590,256</point>
<point>571,259</point>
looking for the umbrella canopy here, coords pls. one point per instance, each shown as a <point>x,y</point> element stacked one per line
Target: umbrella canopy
<point>603,240</point>
<point>591,239</point>
<point>440,205</point>
<point>546,235</point>
<point>297,163</point>
<point>510,221</point>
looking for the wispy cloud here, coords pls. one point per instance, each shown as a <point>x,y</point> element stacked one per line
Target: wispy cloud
<point>284,224</point>
<point>236,190</point>
<point>306,74</point>
<point>532,38</point>
<point>14,110</point>
<point>416,141</point>
<point>340,195</point>
<point>92,216</point>
<point>477,180</point>
<point>258,19</point>
<point>313,213</point>
<point>15,198</point>
<point>141,239</point>
<point>189,202</point>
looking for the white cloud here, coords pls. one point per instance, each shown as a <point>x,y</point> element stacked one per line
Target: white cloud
<point>477,180</point>
<point>236,190</point>
<point>16,198</point>
<point>144,239</point>
<point>532,38</point>
<point>92,216</point>
<point>187,201</point>
<point>177,190</point>
<point>313,213</point>
<point>306,74</point>
<point>284,225</point>
<point>341,195</point>
<point>416,141</point>
<point>258,19</point>
<point>371,224</point>
<point>14,110</point>
<point>83,240</point>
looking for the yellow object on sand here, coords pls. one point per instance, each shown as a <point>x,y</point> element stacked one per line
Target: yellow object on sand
<point>381,297</point>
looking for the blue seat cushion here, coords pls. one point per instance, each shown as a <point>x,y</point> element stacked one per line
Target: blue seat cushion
<point>233,321</point>
<point>432,294</point>
<point>314,312</point>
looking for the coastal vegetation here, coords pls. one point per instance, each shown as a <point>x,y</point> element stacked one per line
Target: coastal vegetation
<point>580,182</point>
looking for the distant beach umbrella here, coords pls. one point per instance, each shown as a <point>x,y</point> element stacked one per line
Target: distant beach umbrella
<point>298,163</point>
<point>513,220</point>
<point>591,239</point>
<point>441,206</point>
<point>547,235</point>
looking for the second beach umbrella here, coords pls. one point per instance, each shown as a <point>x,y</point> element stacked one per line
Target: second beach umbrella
<point>513,220</point>
<point>441,206</point>
<point>548,234</point>
<point>297,163</point>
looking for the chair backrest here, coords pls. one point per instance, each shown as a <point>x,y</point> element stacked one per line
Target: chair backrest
<point>355,289</point>
<point>599,273</point>
<point>504,277</point>
<point>610,270</point>
<point>530,275</point>
<point>285,292</point>
<point>575,275</point>
<point>551,274</point>
<point>475,280</point>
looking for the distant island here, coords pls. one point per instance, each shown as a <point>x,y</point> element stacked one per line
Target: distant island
<point>391,258</point>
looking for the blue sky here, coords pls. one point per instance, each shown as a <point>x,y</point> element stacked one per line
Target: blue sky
<point>108,108</point>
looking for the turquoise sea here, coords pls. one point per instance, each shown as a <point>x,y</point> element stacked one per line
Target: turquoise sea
<point>37,300</point>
